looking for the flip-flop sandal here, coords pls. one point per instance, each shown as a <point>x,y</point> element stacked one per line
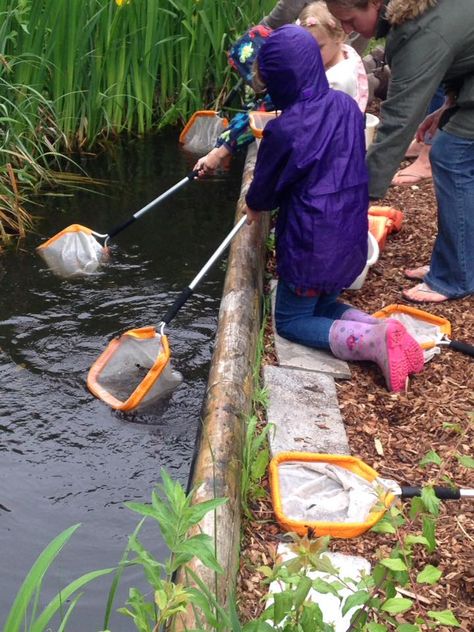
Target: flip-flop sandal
<point>421,293</point>
<point>413,153</point>
<point>416,178</point>
<point>417,273</point>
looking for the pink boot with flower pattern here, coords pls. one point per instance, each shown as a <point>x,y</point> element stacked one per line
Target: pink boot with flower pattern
<point>387,343</point>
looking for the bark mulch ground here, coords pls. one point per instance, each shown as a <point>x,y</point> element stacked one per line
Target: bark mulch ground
<point>392,432</point>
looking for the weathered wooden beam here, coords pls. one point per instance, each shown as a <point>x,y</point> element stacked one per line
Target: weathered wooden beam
<point>217,471</point>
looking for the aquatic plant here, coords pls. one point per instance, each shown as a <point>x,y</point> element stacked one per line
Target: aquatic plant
<point>24,613</point>
<point>73,72</point>
<point>113,66</point>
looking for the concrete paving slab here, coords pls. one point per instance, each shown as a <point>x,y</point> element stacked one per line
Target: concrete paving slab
<point>303,407</point>
<point>293,355</point>
<point>351,568</point>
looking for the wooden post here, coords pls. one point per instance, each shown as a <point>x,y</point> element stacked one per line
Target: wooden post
<point>228,397</point>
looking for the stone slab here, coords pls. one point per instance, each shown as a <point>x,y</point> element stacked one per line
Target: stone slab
<point>351,568</point>
<point>303,407</point>
<point>293,355</point>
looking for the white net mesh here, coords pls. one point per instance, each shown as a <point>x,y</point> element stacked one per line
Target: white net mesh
<point>424,332</point>
<point>324,492</point>
<point>421,330</point>
<point>128,369</point>
<point>74,253</point>
<point>202,135</point>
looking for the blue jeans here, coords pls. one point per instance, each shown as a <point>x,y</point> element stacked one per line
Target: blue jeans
<point>306,319</point>
<point>452,261</point>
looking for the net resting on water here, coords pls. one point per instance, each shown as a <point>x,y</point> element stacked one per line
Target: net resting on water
<point>73,252</point>
<point>134,370</point>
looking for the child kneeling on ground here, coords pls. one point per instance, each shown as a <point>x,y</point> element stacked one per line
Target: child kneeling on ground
<point>311,165</point>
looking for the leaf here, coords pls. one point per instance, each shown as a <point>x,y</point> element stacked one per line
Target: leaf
<point>396,605</point>
<point>416,539</point>
<point>429,575</point>
<point>257,626</point>
<point>282,605</point>
<point>34,578</point>
<point>198,511</point>
<point>416,507</point>
<point>301,592</point>
<point>358,598</point>
<point>408,627</point>
<point>324,587</point>
<point>465,460</point>
<point>66,616</point>
<point>455,427</point>
<point>431,457</point>
<point>430,501</point>
<point>446,617</point>
<point>384,526</point>
<point>259,466</point>
<point>376,627</point>
<point>429,532</point>
<point>200,600</point>
<point>63,596</point>
<point>394,564</point>
<point>379,573</point>
<point>200,546</point>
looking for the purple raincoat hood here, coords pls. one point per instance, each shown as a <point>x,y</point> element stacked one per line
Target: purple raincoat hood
<point>290,65</point>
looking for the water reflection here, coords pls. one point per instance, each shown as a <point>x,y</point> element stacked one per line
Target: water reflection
<point>67,457</point>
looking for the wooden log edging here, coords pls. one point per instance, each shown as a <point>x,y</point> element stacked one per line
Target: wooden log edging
<point>217,470</point>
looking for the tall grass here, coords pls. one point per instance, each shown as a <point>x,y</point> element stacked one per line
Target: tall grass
<point>108,67</point>
<point>75,71</point>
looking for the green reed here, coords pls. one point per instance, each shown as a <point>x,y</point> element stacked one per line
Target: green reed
<point>110,68</point>
<point>73,72</point>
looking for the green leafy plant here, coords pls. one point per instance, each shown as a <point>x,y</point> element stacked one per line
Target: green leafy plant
<point>175,515</point>
<point>256,456</point>
<point>256,453</point>
<point>25,612</point>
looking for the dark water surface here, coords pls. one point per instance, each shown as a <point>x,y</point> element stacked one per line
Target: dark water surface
<point>65,456</point>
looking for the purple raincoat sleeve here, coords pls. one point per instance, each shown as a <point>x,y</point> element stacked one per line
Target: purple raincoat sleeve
<point>272,157</point>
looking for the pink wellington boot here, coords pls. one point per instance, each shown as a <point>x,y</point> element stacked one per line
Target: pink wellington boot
<point>359,316</point>
<point>387,343</point>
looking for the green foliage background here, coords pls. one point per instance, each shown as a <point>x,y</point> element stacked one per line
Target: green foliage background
<point>108,67</point>
<point>75,72</point>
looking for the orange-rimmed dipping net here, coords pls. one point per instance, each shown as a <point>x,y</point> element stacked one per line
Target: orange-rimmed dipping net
<point>74,251</point>
<point>79,251</point>
<point>134,370</point>
<point>336,494</point>
<point>258,120</point>
<point>200,133</point>
<point>327,494</point>
<point>427,329</point>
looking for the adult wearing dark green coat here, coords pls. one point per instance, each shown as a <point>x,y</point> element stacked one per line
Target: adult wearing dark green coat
<point>428,43</point>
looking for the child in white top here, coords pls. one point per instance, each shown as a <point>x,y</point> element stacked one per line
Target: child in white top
<point>343,65</point>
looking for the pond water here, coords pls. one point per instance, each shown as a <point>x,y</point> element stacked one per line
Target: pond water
<point>66,457</point>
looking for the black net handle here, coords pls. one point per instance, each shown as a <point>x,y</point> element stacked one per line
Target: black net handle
<point>186,293</point>
<point>463,347</point>
<point>121,227</point>
<point>443,493</point>
<point>177,305</point>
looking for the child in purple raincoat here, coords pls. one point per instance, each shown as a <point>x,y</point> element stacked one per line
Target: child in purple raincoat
<point>311,165</point>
